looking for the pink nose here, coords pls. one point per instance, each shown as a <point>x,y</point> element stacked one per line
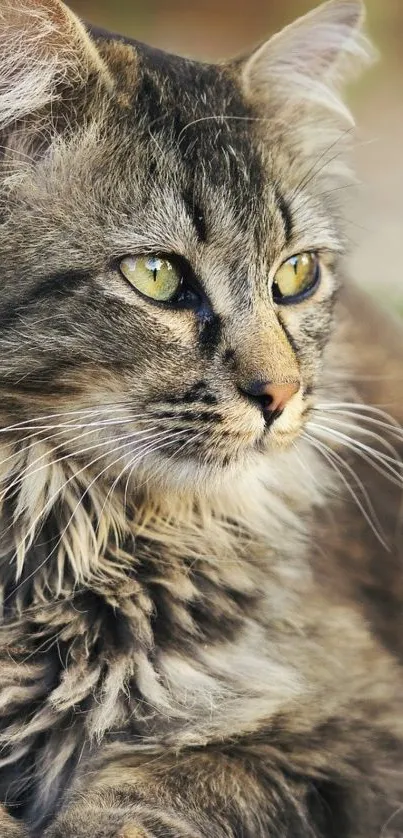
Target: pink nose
<point>272,398</point>
<point>278,394</point>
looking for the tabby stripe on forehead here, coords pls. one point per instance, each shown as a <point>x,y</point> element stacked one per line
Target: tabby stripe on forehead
<point>286,214</point>
<point>197,217</point>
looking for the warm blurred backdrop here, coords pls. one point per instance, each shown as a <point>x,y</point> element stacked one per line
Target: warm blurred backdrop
<point>214,29</point>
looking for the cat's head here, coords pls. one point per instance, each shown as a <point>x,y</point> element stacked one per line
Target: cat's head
<point>169,240</point>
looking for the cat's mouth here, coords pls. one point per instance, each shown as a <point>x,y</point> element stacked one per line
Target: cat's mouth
<point>200,451</point>
<point>173,443</point>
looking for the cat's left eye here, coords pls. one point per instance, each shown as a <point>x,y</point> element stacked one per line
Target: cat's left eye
<point>155,277</point>
<point>296,278</point>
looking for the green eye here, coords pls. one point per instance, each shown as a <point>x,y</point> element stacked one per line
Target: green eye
<point>155,277</point>
<point>296,278</point>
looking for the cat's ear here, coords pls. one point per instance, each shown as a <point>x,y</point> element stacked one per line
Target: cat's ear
<point>309,61</point>
<point>45,55</point>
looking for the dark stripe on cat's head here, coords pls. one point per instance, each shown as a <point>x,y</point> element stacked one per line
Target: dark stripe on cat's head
<point>197,216</point>
<point>211,130</point>
<point>285,213</point>
<point>53,286</point>
<point>210,333</point>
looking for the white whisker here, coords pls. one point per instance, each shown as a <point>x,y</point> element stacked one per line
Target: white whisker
<point>363,431</point>
<point>365,452</point>
<point>35,440</point>
<point>79,502</point>
<point>158,471</point>
<point>333,458</point>
<point>70,456</point>
<point>29,536</point>
<point>100,423</point>
<point>131,465</point>
<point>390,422</point>
<point>94,410</point>
<point>304,466</point>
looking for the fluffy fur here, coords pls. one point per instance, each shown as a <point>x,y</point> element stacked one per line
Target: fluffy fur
<point>201,615</point>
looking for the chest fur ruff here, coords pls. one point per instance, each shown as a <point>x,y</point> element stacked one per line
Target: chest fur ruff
<point>194,624</point>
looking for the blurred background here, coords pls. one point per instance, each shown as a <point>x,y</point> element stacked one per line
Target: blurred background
<point>216,29</point>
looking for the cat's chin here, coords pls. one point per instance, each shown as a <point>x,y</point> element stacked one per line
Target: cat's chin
<point>199,475</point>
<point>192,475</point>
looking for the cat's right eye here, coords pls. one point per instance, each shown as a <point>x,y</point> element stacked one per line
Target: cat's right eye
<point>153,276</point>
<point>296,279</point>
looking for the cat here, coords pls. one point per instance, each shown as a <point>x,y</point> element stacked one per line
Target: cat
<point>201,416</point>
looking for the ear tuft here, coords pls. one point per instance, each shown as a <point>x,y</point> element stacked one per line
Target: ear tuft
<point>43,47</point>
<point>309,61</point>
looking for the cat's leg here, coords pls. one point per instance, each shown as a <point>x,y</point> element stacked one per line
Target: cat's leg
<point>205,794</point>
<point>90,819</point>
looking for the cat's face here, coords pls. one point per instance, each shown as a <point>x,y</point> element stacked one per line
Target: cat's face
<point>168,264</point>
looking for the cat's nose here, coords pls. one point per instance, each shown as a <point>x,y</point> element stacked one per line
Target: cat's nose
<point>272,398</point>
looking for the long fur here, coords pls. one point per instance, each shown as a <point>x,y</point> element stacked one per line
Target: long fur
<point>195,635</point>
<point>43,46</point>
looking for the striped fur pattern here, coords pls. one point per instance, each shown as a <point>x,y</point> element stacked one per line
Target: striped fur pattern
<point>201,615</point>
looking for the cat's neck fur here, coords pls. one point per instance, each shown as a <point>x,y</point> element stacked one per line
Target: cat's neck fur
<point>259,504</point>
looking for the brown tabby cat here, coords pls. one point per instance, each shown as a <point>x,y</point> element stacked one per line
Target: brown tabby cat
<point>201,552</point>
